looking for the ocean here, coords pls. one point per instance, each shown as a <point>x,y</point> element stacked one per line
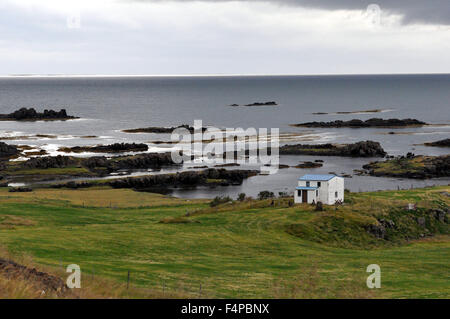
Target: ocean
<point>107,105</point>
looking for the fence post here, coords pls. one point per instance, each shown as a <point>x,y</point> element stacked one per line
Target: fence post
<point>128,280</point>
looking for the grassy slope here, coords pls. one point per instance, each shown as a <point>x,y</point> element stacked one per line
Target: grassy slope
<point>243,251</point>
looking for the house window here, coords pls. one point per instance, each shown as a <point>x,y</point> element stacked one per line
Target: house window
<point>307,184</point>
<point>317,193</point>
<point>336,194</point>
<point>318,184</point>
<point>299,193</point>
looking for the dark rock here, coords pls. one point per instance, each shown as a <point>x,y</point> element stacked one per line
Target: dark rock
<point>387,223</point>
<point>373,122</point>
<point>50,162</point>
<point>441,143</point>
<point>227,165</point>
<point>319,207</point>
<point>8,151</point>
<point>141,161</point>
<point>162,130</point>
<point>309,165</point>
<point>112,148</point>
<point>379,231</point>
<point>25,114</point>
<point>271,103</point>
<point>440,215</point>
<point>20,190</point>
<point>421,221</point>
<point>280,166</point>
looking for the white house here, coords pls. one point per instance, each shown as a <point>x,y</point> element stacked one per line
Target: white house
<point>319,188</point>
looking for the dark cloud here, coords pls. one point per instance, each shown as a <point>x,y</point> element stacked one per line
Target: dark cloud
<point>413,11</point>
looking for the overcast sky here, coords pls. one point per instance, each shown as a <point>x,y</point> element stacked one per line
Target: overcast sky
<point>224,37</point>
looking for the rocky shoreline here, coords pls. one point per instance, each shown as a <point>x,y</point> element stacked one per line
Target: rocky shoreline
<point>356,123</point>
<point>30,114</point>
<point>211,177</point>
<point>208,177</point>
<point>359,149</point>
<point>48,168</point>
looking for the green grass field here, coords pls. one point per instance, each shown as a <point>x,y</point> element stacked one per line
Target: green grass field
<point>240,250</point>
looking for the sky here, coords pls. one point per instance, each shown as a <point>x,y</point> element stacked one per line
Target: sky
<point>184,37</point>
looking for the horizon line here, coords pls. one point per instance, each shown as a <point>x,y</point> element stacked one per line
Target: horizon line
<point>205,75</point>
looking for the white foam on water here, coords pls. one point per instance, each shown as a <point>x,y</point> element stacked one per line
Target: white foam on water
<point>19,159</point>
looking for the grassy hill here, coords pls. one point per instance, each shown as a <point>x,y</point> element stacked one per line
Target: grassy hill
<point>178,247</point>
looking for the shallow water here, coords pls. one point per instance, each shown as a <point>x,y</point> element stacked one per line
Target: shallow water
<point>108,105</point>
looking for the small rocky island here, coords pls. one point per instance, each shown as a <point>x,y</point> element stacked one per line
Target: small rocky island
<point>161,130</point>
<point>411,166</point>
<point>270,103</point>
<point>359,149</point>
<point>356,123</point>
<point>25,114</point>
<point>440,143</point>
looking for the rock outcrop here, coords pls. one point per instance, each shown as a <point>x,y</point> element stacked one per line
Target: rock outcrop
<point>111,148</point>
<point>8,151</point>
<point>271,103</point>
<point>51,162</point>
<point>308,164</point>
<point>161,130</point>
<point>356,123</point>
<point>440,143</point>
<point>140,161</point>
<point>25,114</point>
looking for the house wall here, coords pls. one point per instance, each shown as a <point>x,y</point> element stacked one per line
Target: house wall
<point>323,192</point>
<point>335,185</point>
<point>311,197</point>
<point>327,190</point>
<point>297,199</point>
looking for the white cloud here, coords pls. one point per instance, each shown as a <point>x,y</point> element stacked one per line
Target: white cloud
<point>119,37</point>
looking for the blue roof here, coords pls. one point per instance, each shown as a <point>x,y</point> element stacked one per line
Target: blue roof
<point>317,177</point>
<point>307,188</point>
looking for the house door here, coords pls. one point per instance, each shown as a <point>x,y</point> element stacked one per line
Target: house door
<point>304,196</point>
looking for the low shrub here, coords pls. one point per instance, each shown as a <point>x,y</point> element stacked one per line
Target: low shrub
<point>265,195</point>
<point>218,200</point>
